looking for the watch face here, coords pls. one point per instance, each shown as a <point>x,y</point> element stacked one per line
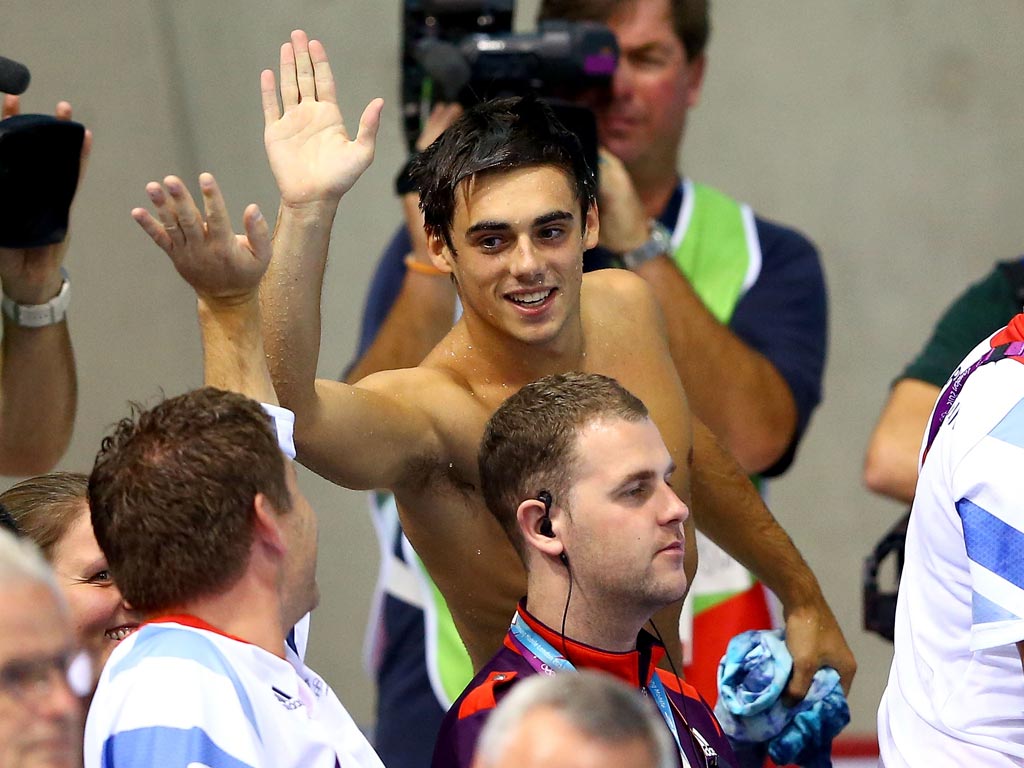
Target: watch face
<point>659,242</point>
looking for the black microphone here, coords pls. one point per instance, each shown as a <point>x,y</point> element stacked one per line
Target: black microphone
<point>14,77</point>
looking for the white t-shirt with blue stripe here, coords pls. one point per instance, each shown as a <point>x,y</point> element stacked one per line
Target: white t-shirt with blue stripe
<point>173,694</point>
<point>956,686</point>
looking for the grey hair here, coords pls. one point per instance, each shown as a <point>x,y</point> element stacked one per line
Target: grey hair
<point>22,562</point>
<point>599,705</point>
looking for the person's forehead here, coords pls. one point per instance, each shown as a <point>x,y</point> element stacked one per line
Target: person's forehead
<point>78,544</point>
<point>609,447</point>
<point>33,621</point>
<point>514,193</point>
<point>643,22</point>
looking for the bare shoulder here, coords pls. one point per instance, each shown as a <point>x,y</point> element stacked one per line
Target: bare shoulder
<point>616,303</point>
<point>428,389</point>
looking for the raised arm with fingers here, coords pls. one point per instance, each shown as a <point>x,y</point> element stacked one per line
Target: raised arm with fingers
<point>315,162</point>
<point>225,270</point>
<point>38,384</point>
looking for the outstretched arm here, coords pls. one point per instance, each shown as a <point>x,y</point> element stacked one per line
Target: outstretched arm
<point>225,270</point>
<point>733,515</point>
<point>315,162</point>
<point>38,385</point>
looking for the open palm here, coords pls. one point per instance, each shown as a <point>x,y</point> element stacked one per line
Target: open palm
<point>311,153</point>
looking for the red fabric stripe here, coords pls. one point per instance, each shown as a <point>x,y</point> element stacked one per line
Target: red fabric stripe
<point>712,631</point>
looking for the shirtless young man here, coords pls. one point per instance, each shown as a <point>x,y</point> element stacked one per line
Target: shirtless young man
<point>513,211</point>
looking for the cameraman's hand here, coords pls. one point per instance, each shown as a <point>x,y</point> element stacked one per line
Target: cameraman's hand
<point>223,268</point>
<point>623,221</point>
<point>32,275</point>
<point>310,152</point>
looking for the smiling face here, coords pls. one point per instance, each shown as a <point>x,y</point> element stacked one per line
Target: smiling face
<point>624,532</point>
<point>98,612</point>
<point>519,245</point>
<point>641,120</point>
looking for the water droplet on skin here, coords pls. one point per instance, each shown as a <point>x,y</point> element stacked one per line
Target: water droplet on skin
<point>478,552</point>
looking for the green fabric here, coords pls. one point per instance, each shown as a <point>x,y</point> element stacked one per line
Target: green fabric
<point>981,310</point>
<point>453,663</point>
<point>703,602</point>
<point>713,254</point>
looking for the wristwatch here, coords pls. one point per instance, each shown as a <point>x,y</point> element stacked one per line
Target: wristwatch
<point>40,315</point>
<point>660,242</point>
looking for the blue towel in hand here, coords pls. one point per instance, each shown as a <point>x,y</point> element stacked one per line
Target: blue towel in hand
<point>752,677</point>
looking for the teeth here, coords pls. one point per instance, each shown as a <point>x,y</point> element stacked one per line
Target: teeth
<point>531,298</point>
<point>119,634</point>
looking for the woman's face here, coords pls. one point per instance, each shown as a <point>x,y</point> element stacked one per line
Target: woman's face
<point>100,616</point>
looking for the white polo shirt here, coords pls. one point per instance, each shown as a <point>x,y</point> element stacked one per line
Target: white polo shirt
<point>955,694</point>
<point>180,693</point>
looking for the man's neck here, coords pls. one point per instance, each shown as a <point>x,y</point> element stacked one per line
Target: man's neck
<point>257,623</point>
<point>654,179</point>
<point>502,359</point>
<point>586,623</point>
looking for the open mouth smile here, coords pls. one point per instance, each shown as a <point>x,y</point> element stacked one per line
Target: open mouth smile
<point>530,300</point>
<point>117,634</point>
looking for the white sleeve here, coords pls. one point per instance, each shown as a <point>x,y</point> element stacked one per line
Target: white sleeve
<point>284,424</point>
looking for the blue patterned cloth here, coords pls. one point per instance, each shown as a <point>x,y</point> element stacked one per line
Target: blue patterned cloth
<point>752,677</point>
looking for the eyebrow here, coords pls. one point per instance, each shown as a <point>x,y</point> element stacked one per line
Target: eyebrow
<point>501,226</point>
<point>646,474</point>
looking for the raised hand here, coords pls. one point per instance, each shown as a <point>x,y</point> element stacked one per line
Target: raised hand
<point>222,267</point>
<point>623,221</point>
<point>310,151</point>
<point>32,275</point>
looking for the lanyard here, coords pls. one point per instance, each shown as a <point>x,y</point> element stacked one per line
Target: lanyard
<point>548,661</point>
<point>955,386</point>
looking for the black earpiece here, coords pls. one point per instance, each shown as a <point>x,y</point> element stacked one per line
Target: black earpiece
<point>544,497</point>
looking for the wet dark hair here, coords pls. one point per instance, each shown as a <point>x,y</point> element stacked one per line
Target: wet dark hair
<point>494,136</point>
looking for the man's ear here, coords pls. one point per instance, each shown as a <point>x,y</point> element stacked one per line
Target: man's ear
<point>530,515</point>
<point>695,80</point>
<point>593,231</point>
<point>440,254</point>
<point>267,525</point>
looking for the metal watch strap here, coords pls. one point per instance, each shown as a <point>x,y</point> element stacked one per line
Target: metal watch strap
<point>660,242</point>
<point>40,315</point>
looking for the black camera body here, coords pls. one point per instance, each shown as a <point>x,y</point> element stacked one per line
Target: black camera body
<point>466,52</point>
<point>39,165</point>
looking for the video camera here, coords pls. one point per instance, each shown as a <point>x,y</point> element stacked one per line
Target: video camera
<point>39,165</point>
<point>465,51</point>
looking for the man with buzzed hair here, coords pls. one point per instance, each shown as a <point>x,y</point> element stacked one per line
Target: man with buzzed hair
<point>40,715</point>
<point>577,475</point>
